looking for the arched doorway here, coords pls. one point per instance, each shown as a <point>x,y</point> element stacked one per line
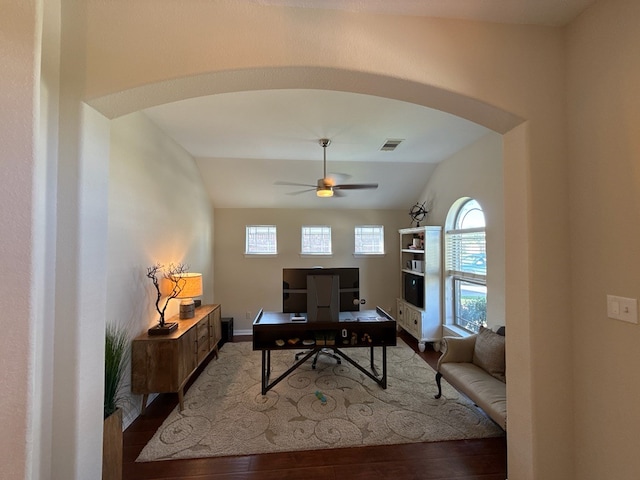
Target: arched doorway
<point>505,123</point>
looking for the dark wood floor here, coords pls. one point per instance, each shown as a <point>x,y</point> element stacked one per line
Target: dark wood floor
<point>483,459</point>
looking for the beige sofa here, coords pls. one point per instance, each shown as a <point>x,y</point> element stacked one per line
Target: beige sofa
<point>475,366</point>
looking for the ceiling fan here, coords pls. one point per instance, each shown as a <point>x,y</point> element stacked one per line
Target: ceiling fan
<point>327,186</point>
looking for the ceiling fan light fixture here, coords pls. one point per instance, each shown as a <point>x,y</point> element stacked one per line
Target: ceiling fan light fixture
<point>324,192</point>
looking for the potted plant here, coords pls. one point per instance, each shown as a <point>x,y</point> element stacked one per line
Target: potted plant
<point>116,357</point>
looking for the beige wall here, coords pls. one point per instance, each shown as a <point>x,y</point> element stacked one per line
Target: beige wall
<point>160,212</point>
<point>246,284</point>
<point>604,156</point>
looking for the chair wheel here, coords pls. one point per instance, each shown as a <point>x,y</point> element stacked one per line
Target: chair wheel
<point>313,367</point>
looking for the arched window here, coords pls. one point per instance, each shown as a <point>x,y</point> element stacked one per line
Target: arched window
<point>466,266</point>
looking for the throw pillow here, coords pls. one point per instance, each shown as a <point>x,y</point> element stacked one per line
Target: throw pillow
<point>488,353</point>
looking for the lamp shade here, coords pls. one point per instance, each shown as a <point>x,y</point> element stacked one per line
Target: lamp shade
<point>191,284</point>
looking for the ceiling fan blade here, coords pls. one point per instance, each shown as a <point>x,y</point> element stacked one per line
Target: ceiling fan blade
<point>356,186</point>
<point>301,191</point>
<point>292,184</point>
<point>337,178</point>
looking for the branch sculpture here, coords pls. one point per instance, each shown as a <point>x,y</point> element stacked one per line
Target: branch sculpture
<point>173,274</point>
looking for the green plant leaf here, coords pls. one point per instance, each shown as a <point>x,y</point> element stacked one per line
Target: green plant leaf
<point>116,358</point>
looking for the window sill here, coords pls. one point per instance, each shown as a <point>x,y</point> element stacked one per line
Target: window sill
<point>358,255</point>
<point>456,331</point>
<point>260,255</point>
<point>315,255</point>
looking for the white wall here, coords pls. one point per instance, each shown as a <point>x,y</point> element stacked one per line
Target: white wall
<point>158,212</point>
<point>604,154</point>
<point>19,251</point>
<point>476,172</point>
<point>246,284</point>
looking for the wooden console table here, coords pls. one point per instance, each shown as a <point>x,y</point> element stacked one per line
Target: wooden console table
<point>371,328</point>
<point>164,363</point>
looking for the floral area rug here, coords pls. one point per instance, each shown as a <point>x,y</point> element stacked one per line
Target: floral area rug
<point>332,406</point>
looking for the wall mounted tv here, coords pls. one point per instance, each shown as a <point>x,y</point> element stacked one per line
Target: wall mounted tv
<point>294,287</point>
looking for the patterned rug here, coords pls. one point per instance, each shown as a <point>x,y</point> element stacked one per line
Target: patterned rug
<point>225,413</point>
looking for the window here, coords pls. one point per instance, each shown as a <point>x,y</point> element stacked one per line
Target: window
<point>466,265</point>
<point>369,240</point>
<point>260,240</point>
<point>316,240</point>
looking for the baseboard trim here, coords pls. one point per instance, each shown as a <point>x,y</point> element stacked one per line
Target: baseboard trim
<point>242,333</point>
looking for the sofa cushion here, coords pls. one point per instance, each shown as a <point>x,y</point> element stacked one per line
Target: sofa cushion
<point>488,353</point>
<point>486,391</point>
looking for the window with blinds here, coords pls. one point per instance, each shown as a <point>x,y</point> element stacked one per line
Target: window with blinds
<point>369,240</point>
<point>261,240</point>
<point>316,240</point>
<point>466,266</point>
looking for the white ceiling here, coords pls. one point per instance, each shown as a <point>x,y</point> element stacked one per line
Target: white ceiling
<point>245,142</point>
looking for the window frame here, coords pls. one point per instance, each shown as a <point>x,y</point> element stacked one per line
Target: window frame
<point>324,232</point>
<point>271,230</point>
<point>358,234</point>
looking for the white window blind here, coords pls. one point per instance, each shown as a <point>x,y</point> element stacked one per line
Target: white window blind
<point>466,253</point>
<point>369,239</point>
<point>260,240</point>
<point>316,240</point>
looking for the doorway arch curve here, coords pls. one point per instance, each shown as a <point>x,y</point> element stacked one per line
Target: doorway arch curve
<point>321,78</point>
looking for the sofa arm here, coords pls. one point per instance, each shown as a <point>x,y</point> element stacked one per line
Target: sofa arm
<point>457,349</point>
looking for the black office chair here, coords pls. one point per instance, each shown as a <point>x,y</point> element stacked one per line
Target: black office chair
<point>323,351</point>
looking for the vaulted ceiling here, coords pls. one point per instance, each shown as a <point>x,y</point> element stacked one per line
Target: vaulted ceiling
<point>246,142</point>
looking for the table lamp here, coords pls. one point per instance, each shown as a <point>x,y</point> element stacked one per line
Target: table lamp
<point>191,284</point>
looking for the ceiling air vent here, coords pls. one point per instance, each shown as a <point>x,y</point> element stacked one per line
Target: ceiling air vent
<point>390,145</point>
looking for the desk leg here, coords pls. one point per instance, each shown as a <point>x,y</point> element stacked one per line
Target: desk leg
<point>384,367</point>
<point>266,369</point>
<point>181,399</point>
<point>380,381</point>
<point>373,366</point>
<point>145,397</point>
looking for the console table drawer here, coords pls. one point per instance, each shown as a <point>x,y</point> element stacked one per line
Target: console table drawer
<point>203,327</point>
<point>202,346</point>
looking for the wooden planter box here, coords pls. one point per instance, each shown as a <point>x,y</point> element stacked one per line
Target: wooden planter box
<point>112,447</point>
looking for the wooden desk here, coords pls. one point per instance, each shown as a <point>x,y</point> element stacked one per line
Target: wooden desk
<point>369,328</point>
<point>164,363</point>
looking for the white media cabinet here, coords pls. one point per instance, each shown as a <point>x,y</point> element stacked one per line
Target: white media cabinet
<point>420,313</point>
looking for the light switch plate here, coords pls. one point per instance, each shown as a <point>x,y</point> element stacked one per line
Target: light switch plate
<point>621,308</point>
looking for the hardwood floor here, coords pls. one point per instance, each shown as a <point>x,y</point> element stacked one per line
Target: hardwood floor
<point>483,459</point>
